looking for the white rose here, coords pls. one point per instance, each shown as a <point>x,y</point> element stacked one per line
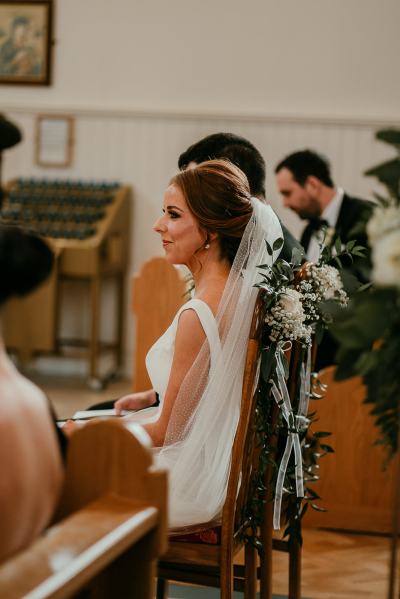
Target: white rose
<point>333,283</point>
<point>290,302</point>
<point>382,221</point>
<point>386,260</point>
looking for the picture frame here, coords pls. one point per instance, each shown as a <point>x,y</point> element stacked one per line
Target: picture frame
<point>54,140</point>
<point>26,40</point>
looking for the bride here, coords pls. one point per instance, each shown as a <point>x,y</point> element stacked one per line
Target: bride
<point>212,225</point>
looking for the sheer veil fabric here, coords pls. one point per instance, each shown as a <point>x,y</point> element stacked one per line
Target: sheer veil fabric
<point>203,422</point>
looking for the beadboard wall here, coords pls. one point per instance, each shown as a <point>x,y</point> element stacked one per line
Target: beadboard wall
<point>141,149</point>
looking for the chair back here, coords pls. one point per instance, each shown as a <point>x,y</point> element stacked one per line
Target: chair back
<point>243,451</point>
<point>100,460</point>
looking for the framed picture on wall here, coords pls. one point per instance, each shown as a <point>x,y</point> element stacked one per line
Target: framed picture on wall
<point>26,36</point>
<point>54,140</point>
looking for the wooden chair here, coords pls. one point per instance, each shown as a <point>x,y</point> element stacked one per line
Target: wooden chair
<point>270,542</point>
<point>111,525</point>
<point>158,291</point>
<point>210,563</point>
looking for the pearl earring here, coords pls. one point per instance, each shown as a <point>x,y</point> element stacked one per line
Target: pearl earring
<point>207,246</point>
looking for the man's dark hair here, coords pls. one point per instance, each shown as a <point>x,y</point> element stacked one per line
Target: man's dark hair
<point>305,163</point>
<point>231,147</point>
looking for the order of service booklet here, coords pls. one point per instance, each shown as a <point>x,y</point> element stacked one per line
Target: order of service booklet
<point>86,414</point>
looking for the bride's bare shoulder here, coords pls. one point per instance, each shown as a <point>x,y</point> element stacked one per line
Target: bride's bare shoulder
<point>212,299</point>
<point>211,294</point>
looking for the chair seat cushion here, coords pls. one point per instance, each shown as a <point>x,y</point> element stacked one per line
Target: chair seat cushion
<point>208,536</point>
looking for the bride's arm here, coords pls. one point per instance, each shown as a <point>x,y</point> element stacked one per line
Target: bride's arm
<point>136,401</point>
<point>189,339</point>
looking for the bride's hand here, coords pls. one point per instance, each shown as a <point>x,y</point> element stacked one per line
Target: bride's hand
<point>70,426</point>
<point>135,401</point>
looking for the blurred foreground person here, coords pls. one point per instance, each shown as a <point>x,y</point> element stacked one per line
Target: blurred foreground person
<point>30,456</point>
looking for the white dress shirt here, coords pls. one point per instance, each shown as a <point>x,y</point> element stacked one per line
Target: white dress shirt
<point>330,214</point>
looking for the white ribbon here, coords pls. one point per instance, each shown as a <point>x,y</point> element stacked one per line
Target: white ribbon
<point>296,424</point>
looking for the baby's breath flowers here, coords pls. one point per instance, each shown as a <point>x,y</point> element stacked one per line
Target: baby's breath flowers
<point>323,283</point>
<point>286,318</point>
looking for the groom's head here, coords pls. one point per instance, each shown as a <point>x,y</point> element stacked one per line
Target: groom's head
<point>231,147</point>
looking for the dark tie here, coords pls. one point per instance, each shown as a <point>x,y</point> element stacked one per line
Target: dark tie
<point>313,227</point>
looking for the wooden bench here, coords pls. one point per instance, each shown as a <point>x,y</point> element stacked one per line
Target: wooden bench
<point>110,527</point>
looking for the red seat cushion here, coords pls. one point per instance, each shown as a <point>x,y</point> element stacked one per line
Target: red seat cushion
<point>209,536</point>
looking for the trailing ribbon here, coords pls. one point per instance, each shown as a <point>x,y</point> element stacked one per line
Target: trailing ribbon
<point>296,423</point>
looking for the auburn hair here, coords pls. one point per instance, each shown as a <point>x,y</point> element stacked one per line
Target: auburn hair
<point>218,195</point>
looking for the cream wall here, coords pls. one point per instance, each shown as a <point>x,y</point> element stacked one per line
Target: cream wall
<point>145,79</point>
<point>313,57</point>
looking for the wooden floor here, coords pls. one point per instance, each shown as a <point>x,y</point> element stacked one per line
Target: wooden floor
<point>335,565</point>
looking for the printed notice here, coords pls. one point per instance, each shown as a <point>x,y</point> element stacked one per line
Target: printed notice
<point>54,141</point>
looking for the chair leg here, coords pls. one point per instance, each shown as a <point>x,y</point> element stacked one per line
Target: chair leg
<point>266,559</point>
<point>162,588</point>
<point>294,570</point>
<point>250,572</point>
<point>226,577</point>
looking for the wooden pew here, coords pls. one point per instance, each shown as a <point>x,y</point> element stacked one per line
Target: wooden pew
<point>111,524</point>
<point>355,489</point>
<point>158,291</point>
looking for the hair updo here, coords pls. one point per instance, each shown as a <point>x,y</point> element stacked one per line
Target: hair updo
<point>25,262</point>
<point>218,195</point>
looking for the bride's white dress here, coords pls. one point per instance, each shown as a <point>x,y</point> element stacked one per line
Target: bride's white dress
<point>183,510</point>
<point>160,355</point>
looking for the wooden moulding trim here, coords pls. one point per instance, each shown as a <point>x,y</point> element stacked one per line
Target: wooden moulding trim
<point>199,114</point>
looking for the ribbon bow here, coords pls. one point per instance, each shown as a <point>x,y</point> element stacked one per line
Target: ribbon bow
<point>296,423</point>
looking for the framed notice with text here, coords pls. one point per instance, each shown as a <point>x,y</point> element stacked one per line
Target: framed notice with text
<point>54,140</point>
<point>26,38</point>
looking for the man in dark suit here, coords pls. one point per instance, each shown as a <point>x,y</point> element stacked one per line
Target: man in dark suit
<point>245,155</point>
<point>305,183</point>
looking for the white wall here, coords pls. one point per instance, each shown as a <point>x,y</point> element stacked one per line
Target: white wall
<point>308,57</point>
<point>145,82</point>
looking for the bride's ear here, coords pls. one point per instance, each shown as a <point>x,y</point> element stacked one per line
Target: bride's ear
<point>212,236</point>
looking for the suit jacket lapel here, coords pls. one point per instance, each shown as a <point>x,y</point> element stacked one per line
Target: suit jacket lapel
<point>306,237</point>
<point>346,217</point>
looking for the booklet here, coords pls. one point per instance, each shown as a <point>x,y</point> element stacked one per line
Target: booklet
<point>87,414</point>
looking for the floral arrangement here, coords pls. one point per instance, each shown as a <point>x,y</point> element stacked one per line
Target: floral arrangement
<point>369,330</point>
<point>298,302</point>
